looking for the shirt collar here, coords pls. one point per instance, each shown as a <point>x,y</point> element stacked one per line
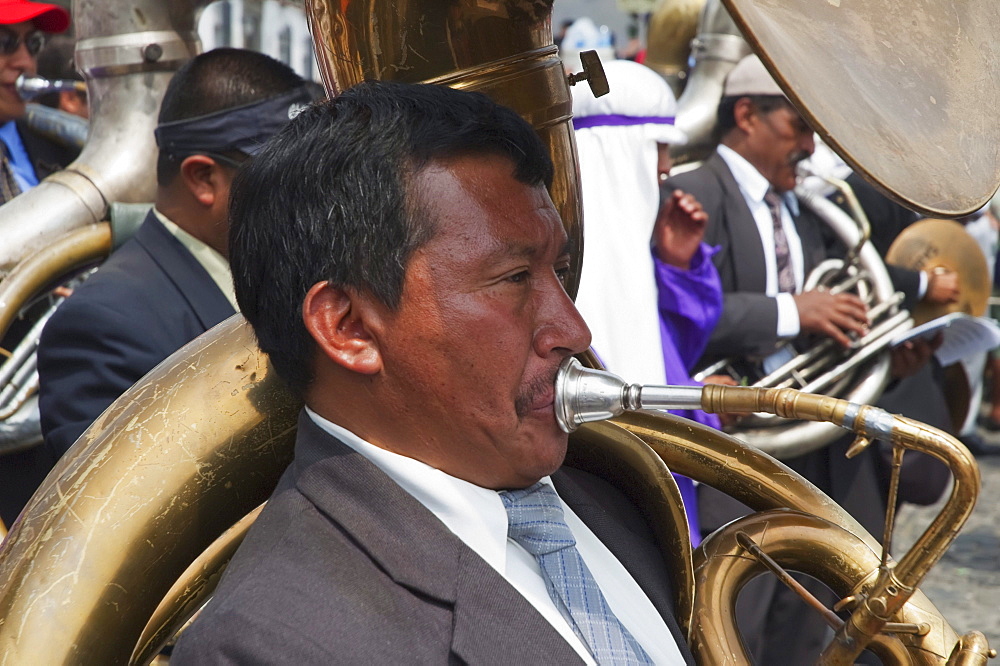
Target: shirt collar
<point>474,514</point>
<point>8,130</point>
<point>214,263</point>
<point>753,185</point>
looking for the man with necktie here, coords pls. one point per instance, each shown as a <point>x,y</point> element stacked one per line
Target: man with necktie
<point>767,245</point>
<point>27,157</point>
<point>398,256</point>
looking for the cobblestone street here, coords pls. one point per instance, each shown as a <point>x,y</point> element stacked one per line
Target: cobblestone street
<point>965,584</point>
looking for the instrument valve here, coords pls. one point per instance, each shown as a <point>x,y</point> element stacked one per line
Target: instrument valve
<point>593,73</point>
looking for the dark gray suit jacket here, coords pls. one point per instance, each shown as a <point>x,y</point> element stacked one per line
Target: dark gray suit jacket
<point>344,566</point>
<point>749,322</point>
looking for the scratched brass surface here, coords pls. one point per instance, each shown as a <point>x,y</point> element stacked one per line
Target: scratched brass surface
<point>502,48</point>
<point>190,592</point>
<point>905,90</point>
<point>174,462</point>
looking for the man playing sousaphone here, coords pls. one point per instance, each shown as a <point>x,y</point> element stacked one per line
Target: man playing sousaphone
<point>768,243</point>
<point>399,258</point>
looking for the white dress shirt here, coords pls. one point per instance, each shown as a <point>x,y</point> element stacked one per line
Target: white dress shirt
<point>214,263</point>
<point>754,186</point>
<point>477,516</point>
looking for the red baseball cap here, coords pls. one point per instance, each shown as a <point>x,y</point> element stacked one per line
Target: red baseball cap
<point>46,17</point>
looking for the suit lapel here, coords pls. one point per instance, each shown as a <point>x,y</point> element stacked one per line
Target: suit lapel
<point>746,249</point>
<point>46,157</point>
<point>487,605</point>
<point>418,552</point>
<point>207,302</point>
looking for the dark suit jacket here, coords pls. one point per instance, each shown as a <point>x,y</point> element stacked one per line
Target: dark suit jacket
<point>21,472</point>
<point>147,301</point>
<point>888,219</point>
<point>47,157</point>
<point>344,566</point>
<point>749,322</point>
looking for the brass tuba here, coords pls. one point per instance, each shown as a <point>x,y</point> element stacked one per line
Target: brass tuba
<point>128,535</point>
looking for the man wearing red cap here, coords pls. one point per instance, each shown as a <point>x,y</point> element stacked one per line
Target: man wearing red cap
<point>27,157</point>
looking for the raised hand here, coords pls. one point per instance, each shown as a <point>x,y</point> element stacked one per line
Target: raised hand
<point>679,229</point>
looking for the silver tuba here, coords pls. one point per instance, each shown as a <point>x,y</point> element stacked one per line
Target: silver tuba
<point>127,53</point>
<point>862,373</point>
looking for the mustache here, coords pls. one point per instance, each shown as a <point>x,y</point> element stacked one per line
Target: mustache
<point>530,392</point>
<point>797,157</point>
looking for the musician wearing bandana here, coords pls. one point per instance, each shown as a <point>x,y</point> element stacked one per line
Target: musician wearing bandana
<point>171,281</point>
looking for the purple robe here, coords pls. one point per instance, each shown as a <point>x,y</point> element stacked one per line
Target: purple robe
<point>690,302</point>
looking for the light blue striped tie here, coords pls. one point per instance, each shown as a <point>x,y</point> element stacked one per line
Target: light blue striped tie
<point>536,522</point>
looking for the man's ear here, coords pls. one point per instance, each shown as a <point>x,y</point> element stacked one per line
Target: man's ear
<point>743,111</point>
<point>202,177</point>
<point>338,320</point>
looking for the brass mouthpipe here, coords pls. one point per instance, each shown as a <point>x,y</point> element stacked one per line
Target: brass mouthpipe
<point>896,584</point>
<point>586,395</point>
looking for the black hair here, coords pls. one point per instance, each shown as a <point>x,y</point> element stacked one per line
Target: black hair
<point>219,79</point>
<point>725,120</point>
<point>329,199</point>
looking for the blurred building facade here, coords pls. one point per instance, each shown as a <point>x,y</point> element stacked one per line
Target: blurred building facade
<point>275,27</point>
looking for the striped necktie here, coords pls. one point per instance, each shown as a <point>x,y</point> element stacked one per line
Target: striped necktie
<point>536,522</point>
<point>8,184</point>
<point>782,255</point>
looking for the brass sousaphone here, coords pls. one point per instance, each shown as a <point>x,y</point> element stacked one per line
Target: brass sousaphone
<point>128,534</point>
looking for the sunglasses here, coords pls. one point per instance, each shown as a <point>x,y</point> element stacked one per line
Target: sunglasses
<point>10,41</point>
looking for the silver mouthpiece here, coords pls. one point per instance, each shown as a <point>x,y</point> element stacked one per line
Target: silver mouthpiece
<point>30,87</point>
<point>584,395</point>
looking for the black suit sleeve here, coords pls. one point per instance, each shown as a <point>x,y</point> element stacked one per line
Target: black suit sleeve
<point>906,281</point>
<point>88,356</point>
<point>887,219</point>
<point>748,326</point>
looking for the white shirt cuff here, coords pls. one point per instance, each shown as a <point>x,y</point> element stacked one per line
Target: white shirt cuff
<point>924,283</point>
<point>788,316</point>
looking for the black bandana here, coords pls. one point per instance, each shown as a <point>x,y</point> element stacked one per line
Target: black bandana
<point>244,128</point>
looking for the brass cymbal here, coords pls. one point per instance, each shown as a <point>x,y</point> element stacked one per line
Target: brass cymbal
<point>906,92</point>
<point>930,244</point>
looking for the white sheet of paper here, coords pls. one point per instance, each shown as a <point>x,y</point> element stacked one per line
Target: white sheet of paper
<point>964,335</point>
